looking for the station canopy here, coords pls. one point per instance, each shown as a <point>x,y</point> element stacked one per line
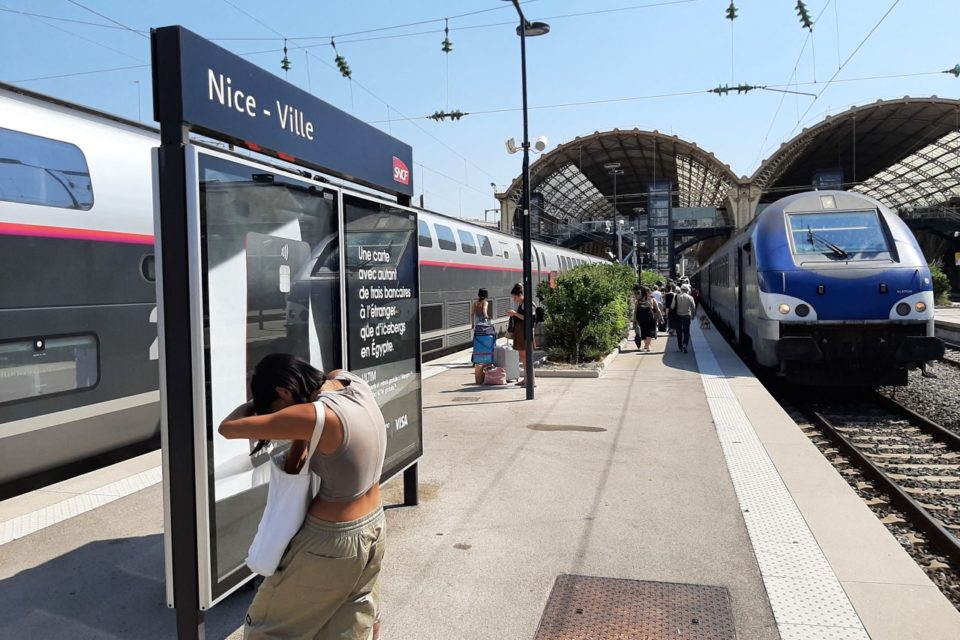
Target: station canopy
<point>905,153</point>
<point>577,186</point>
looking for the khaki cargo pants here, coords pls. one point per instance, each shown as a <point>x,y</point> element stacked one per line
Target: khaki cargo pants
<point>327,584</point>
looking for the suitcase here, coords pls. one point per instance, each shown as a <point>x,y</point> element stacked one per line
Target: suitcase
<point>509,359</point>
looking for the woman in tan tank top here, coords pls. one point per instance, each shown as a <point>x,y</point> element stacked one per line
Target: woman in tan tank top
<point>327,584</point>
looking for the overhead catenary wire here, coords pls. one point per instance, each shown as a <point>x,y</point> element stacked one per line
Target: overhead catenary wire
<point>97,13</point>
<point>86,23</point>
<point>840,68</point>
<point>437,30</point>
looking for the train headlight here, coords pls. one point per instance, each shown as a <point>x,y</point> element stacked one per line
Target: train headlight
<point>803,310</point>
<point>903,308</point>
<point>920,306</point>
<point>784,309</point>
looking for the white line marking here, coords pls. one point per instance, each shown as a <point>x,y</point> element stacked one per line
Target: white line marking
<point>806,597</point>
<point>64,510</point>
<point>16,427</point>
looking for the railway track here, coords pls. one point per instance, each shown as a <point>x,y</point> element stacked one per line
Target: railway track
<point>951,355</point>
<point>913,461</point>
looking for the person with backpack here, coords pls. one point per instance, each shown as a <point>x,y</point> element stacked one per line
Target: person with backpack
<point>668,296</point>
<point>684,307</point>
<point>647,314</point>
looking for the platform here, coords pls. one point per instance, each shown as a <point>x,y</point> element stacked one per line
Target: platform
<point>670,468</point>
<point>948,324</point>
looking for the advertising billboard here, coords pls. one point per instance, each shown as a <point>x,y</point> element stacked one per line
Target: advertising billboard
<point>278,256</point>
<point>255,259</point>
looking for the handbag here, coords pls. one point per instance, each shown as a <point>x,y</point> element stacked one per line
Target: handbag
<point>495,375</point>
<point>288,497</point>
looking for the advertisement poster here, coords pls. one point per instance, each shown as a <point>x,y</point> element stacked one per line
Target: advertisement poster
<point>383,319</point>
<point>271,268</point>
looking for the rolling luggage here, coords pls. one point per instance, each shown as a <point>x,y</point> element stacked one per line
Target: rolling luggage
<point>506,357</point>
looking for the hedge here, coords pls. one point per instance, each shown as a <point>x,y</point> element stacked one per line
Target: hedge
<point>587,313</point>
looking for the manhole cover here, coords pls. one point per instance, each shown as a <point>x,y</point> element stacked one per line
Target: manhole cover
<point>589,608</point>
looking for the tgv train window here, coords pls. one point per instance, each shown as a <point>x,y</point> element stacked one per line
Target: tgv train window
<point>467,242</point>
<point>42,366</point>
<point>424,238</point>
<point>445,238</point>
<point>837,232</point>
<point>486,249</point>
<point>35,170</point>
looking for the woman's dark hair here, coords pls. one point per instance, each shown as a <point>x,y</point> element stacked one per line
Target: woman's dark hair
<point>644,292</point>
<point>283,370</point>
<point>482,294</point>
<point>517,290</point>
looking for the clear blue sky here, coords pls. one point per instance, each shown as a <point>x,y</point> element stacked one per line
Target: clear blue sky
<point>628,49</point>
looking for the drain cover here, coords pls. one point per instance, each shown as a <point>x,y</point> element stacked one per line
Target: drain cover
<point>467,398</point>
<point>589,608</point>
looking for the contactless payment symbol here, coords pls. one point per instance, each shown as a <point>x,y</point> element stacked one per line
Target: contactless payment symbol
<point>401,173</point>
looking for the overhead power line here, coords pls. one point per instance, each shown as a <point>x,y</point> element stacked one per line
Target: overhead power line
<point>439,29</point>
<point>97,13</point>
<point>60,19</point>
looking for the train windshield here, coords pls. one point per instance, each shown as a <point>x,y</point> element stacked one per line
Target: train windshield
<point>838,233</point>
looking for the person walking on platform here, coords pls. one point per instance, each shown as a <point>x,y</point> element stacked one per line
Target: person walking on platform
<point>647,315</point>
<point>519,337</point>
<point>668,296</point>
<point>684,307</point>
<point>328,581</point>
<point>484,335</point>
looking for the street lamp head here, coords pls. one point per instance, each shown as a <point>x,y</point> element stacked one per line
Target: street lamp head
<point>534,29</point>
<point>540,144</point>
<point>611,165</point>
<point>511,145</point>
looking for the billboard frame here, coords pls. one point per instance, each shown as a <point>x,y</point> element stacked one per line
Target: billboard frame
<point>180,287</point>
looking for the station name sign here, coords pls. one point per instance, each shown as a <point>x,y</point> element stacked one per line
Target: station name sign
<point>226,97</point>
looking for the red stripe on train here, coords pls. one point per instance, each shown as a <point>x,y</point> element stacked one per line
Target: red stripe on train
<point>481,267</point>
<point>35,230</point>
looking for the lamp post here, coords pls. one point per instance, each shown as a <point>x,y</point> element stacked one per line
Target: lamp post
<point>620,241</point>
<point>524,30</point>
<point>636,241</point>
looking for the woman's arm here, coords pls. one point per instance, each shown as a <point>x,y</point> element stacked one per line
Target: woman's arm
<point>486,310</point>
<point>295,422</point>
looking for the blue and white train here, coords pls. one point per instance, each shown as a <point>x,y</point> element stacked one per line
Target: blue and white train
<point>828,287</point>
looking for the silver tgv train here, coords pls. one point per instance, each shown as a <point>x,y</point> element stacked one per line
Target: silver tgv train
<point>78,339</point>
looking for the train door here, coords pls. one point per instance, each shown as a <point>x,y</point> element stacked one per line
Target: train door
<point>738,292</point>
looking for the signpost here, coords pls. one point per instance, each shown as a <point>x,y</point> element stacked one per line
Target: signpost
<point>255,259</point>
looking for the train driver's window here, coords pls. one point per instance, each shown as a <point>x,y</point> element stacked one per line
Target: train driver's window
<point>467,242</point>
<point>35,170</point>
<point>486,249</point>
<point>424,234</point>
<point>445,238</point>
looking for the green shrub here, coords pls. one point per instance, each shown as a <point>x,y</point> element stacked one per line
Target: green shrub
<point>941,282</point>
<point>587,312</point>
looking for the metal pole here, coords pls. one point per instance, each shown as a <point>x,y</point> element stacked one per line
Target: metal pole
<point>527,255</point>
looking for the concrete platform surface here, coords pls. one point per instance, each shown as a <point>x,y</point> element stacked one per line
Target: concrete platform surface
<point>622,476</point>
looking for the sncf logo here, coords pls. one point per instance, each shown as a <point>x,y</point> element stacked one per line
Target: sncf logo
<point>401,173</point>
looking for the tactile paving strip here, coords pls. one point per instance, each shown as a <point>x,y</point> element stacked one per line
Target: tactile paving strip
<point>81,503</point>
<point>807,600</point>
<point>591,608</point>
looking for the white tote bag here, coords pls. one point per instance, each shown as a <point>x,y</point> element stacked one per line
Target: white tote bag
<point>288,498</point>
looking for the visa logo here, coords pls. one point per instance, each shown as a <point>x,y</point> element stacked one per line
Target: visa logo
<point>401,173</point>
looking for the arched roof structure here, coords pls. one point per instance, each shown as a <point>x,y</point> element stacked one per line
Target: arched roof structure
<point>905,153</point>
<point>576,185</point>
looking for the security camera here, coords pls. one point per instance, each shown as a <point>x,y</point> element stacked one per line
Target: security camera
<point>511,145</point>
<point>540,144</point>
